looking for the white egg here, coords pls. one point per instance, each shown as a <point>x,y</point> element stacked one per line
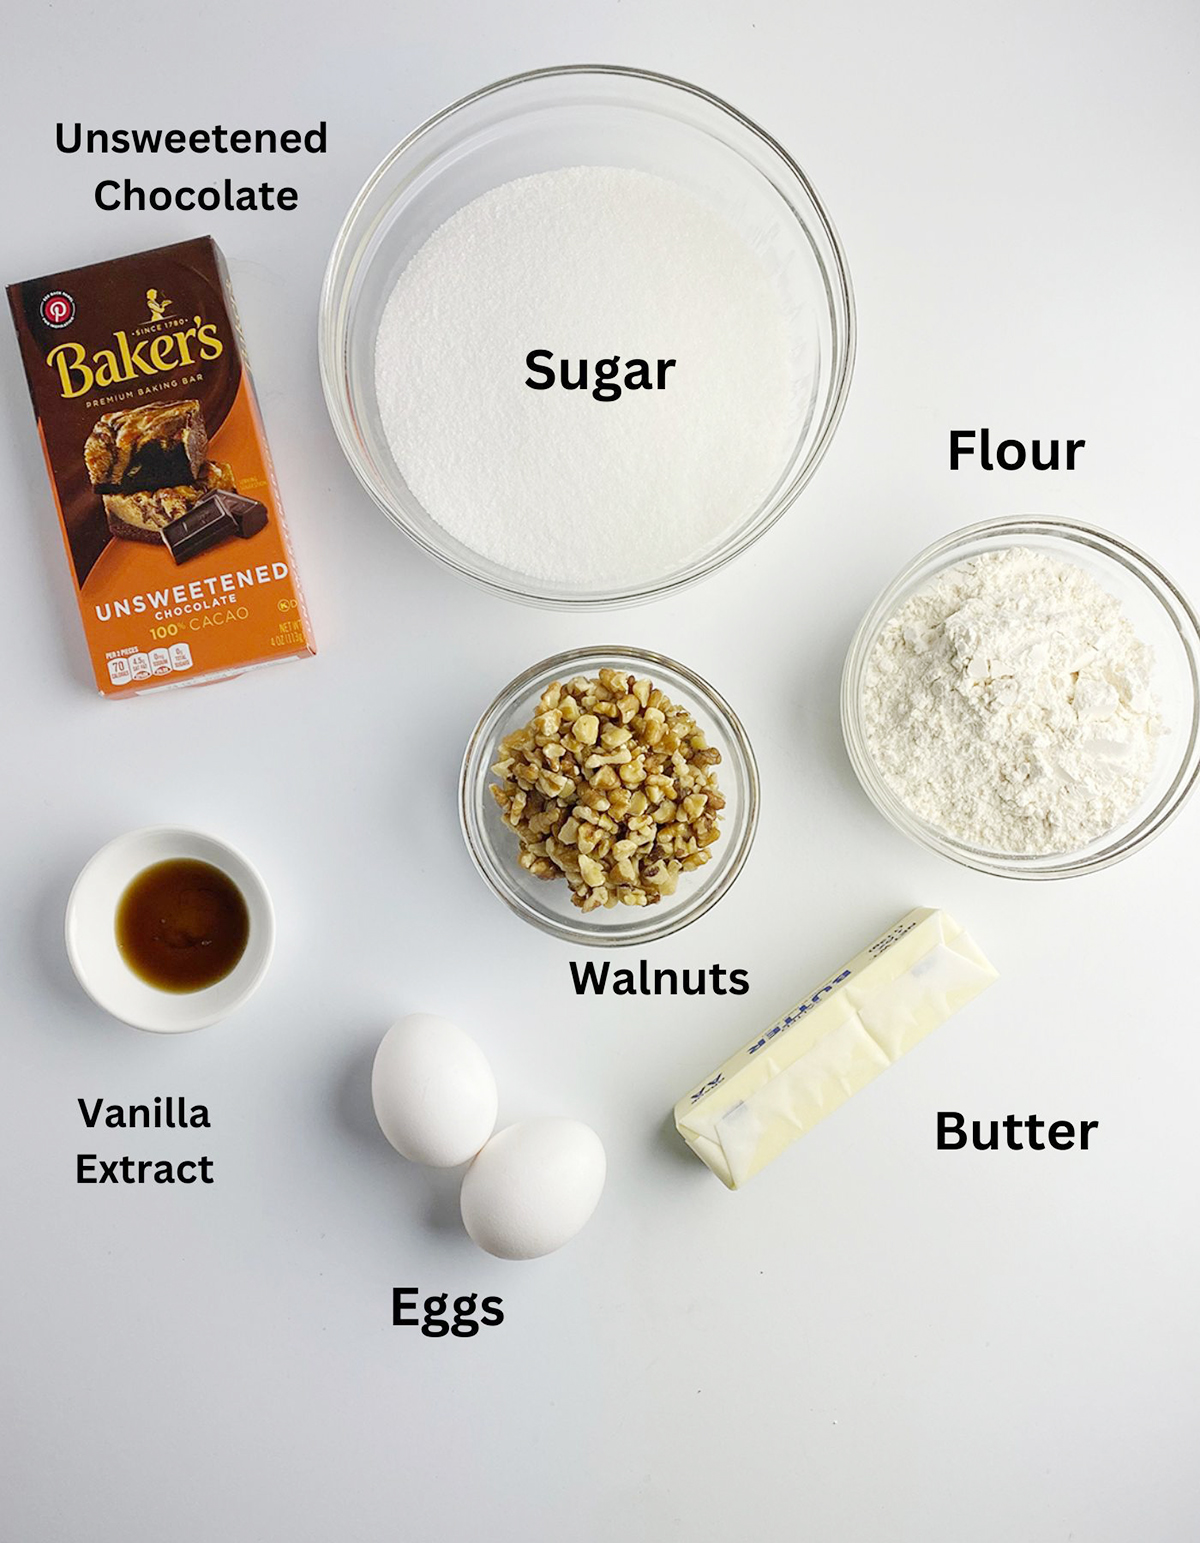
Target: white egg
<point>433,1091</point>
<point>533,1187</point>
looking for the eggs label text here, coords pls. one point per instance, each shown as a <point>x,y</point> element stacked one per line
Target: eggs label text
<point>434,1320</point>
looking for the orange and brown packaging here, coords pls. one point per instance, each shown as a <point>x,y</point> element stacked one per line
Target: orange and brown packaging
<point>160,468</point>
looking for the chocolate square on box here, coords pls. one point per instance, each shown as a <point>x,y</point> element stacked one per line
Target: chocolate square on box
<point>205,525</point>
<point>248,514</point>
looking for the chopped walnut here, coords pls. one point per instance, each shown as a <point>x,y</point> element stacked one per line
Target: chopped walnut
<point>611,786</point>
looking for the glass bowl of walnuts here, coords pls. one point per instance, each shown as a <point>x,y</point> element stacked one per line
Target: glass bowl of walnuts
<point>609,796</point>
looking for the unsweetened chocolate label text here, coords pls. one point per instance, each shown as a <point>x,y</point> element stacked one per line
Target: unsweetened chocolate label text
<point>114,193</point>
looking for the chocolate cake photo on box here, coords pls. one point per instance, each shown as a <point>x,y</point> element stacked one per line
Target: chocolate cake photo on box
<point>143,463</point>
<point>159,446</point>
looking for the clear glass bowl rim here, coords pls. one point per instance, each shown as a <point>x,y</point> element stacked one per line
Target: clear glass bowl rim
<point>332,327</point>
<point>473,791</point>
<point>942,554</point>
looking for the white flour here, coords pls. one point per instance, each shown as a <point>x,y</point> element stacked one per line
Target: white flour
<point>589,263</point>
<point>1010,704</point>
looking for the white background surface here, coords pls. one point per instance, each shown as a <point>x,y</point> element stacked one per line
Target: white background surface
<point>875,1340</point>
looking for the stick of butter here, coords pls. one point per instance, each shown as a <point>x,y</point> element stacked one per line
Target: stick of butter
<point>832,1044</point>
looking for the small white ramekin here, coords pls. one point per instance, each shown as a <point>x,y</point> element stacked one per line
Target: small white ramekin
<point>92,934</point>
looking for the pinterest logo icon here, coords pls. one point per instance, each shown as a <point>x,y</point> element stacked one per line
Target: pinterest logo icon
<point>57,308</point>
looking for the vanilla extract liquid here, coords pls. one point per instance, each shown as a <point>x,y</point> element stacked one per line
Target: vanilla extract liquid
<point>182,925</point>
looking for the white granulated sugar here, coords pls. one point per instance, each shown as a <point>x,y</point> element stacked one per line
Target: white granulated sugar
<point>1010,704</point>
<point>589,262</point>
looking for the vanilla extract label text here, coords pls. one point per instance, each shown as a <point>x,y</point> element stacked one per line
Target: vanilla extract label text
<point>171,1113</point>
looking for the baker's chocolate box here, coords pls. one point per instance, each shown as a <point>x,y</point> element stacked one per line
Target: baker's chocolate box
<point>166,495</point>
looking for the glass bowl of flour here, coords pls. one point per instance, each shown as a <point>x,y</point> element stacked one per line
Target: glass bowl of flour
<point>586,334</point>
<point>1023,699</point>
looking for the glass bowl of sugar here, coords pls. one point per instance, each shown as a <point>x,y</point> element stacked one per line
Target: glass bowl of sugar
<point>546,902</point>
<point>586,334</point>
<point>1024,698</point>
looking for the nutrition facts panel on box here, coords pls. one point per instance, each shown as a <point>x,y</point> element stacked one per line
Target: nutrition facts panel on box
<point>140,666</point>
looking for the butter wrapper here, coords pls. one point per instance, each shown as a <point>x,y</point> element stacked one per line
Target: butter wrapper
<point>831,1044</point>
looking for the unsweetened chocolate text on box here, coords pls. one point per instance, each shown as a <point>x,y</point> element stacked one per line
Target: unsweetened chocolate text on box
<point>160,469</point>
